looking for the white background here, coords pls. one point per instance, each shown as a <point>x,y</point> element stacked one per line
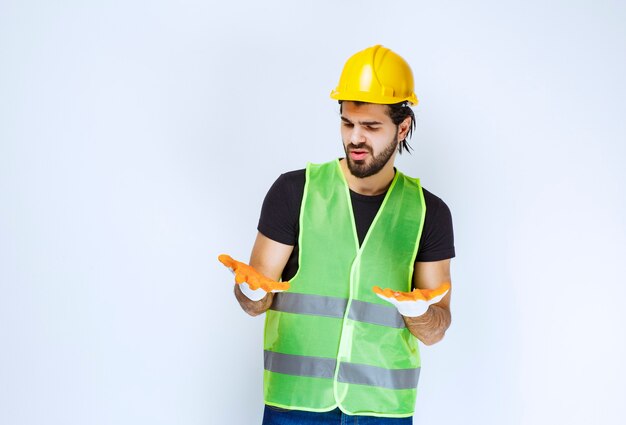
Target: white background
<point>138,139</point>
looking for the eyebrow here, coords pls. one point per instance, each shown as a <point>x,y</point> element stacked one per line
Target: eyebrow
<point>346,120</point>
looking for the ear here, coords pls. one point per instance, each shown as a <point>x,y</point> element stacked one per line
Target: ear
<point>403,128</point>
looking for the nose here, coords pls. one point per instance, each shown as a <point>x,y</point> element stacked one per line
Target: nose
<point>356,136</point>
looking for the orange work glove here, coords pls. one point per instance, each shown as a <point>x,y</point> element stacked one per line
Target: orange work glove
<point>253,284</point>
<point>414,303</point>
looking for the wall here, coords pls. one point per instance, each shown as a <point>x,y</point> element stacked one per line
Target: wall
<point>137,141</point>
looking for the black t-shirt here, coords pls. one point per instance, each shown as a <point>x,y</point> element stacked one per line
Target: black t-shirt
<point>280,215</point>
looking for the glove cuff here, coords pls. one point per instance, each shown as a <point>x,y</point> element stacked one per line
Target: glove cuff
<point>409,309</point>
<point>252,294</point>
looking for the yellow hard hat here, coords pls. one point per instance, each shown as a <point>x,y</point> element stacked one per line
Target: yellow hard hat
<point>376,75</point>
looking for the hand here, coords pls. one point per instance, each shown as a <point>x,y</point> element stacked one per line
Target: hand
<point>253,284</point>
<point>414,303</point>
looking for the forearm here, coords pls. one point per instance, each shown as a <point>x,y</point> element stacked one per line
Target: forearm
<point>253,308</point>
<point>431,326</point>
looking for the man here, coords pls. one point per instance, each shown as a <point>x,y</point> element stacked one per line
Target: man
<point>338,347</point>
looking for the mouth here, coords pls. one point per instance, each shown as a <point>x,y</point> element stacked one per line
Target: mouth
<point>358,154</point>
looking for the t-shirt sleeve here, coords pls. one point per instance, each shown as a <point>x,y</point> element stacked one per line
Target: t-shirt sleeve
<point>437,241</point>
<point>281,208</point>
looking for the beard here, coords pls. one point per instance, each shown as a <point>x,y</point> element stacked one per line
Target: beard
<point>362,168</point>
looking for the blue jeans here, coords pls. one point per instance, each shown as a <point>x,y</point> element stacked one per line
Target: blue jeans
<point>278,416</point>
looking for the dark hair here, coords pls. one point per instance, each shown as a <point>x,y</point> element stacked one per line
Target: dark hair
<point>398,113</point>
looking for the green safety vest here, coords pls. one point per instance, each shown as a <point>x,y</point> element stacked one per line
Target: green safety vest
<point>329,340</point>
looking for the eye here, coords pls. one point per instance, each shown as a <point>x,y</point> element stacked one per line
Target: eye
<point>370,128</point>
<point>347,124</point>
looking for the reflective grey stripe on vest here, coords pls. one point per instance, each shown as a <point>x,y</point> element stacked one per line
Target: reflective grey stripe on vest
<point>289,364</point>
<point>349,373</point>
<point>395,379</point>
<point>318,305</point>
<point>376,314</point>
